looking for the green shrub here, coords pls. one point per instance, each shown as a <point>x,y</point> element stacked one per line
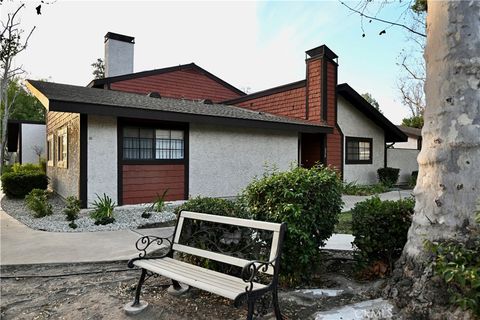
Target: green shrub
<point>354,189</point>
<point>72,208</point>
<point>217,206</point>
<point>309,201</point>
<point>19,184</point>
<point>103,210</point>
<point>207,236</point>
<point>26,167</point>
<point>388,176</point>
<point>37,201</point>
<point>458,264</point>
<point>43,164</point>
<point>380,230</point>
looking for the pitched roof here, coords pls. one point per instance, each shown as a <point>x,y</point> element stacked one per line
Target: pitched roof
<point>392,133</point>
<point>411,132</point>
<point>191,66</point>
<point>77,99</point>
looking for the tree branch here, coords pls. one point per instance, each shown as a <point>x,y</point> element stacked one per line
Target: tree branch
<point>383,21</point>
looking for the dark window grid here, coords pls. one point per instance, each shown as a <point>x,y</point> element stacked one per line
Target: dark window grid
<point>359,150</point>
<point>145,148</point>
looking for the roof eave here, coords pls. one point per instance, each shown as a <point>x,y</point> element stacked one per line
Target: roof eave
<point>392,133</point>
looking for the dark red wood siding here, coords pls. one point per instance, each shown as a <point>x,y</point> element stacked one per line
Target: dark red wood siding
<point>188,84</point>
<point>142,183</point>
<point>289,103</point>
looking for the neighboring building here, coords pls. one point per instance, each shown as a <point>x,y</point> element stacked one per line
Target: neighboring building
<point>403,155</point>
<point>133,135</point>
<point>414,141</point>
<point>26,141</point>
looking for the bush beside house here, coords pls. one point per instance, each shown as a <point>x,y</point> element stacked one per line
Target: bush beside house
<point>19,181</point>
<point>380,229</point>
<point>309,201</point>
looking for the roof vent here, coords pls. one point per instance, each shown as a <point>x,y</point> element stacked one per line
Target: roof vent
<point>154,94</point>
<point>207,101</point>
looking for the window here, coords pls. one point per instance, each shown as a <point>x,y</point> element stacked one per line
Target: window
<point>62,147</point>
<point>152,144</point>
<point>358,150</point>
<point>50,150</point>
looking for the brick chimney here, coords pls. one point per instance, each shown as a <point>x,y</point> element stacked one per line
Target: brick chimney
<point>321,99</point>
<point>118,54</point>
<point>321,84</point>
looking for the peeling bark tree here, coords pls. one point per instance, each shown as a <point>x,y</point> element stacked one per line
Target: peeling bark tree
<point>448,184</point>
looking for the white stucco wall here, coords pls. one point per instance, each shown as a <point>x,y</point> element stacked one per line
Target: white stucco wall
<point>354,123</point>
<point>405,160</point>
<point>410,144</point>
<point>223,160</point>
<point>102,157</point>
<point>33,135</point>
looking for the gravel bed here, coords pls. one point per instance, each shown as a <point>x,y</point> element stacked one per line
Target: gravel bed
<point>126,217</point>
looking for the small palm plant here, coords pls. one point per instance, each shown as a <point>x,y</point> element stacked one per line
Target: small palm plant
<point>157,206</point>
<point>103,210</point>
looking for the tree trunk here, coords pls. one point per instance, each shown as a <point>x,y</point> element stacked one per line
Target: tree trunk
<point>448,184</point>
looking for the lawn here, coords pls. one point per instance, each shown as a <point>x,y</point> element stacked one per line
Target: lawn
<point>344,224</point>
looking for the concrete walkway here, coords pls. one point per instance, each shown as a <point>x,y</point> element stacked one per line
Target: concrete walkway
<point>21,245</point>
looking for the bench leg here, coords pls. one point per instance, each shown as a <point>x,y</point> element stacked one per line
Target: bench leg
<point>136,302</point>
<point>176,285</point>
<point>137,306</point>
<point>251,308</point>
<point>276,306</point>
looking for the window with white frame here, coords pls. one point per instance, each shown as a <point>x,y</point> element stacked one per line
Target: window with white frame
<point>143,143</point>
<point>62,148</point>
<point>50,150</point>
<point>358,150</point>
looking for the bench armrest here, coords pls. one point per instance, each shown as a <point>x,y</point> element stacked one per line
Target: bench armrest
<point>144,242</point>
<point>252,269</point>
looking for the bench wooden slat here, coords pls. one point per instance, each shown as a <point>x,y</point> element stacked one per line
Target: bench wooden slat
<point>199,274</point>
<point>169,268</point>
<point>232,221</point>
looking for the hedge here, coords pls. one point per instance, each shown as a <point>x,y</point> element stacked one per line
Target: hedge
<point>19,184</point>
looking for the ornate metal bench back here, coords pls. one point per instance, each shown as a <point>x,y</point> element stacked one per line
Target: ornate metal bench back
<point>228,240</point>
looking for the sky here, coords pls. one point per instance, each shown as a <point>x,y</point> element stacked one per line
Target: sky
<point>251,45</point>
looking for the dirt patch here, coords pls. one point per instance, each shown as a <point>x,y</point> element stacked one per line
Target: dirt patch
<point>99,291</point>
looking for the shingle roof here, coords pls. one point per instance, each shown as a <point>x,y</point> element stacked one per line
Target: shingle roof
<point>69,98</point>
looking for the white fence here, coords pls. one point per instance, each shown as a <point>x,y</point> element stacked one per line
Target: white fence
<point>405,159</point>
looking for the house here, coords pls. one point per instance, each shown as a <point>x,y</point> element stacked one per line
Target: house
<point>182,129</point>
<point>403,155</point>
<point>414,141</point>
<point>26,141</point>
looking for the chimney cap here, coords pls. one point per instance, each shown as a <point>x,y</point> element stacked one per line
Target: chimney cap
<point>119,37</point>
<point>322,50</point>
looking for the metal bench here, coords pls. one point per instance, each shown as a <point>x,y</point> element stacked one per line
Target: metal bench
<point>230,241</point>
